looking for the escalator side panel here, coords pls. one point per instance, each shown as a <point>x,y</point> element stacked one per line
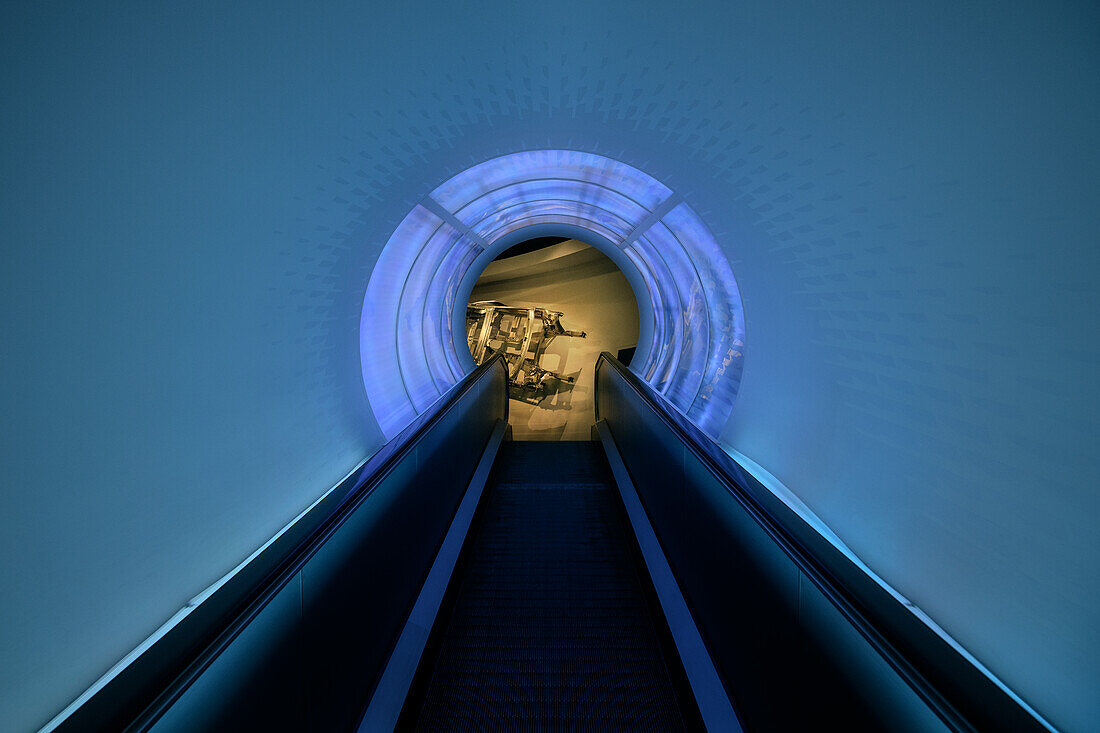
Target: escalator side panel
<point>782,670</point>
<point>308,658</point>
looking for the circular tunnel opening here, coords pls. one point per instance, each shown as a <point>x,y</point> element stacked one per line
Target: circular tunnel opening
<point>551,305</point>
<point>691,325</point>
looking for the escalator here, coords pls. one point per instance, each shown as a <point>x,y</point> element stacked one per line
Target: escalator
<point>460,581</point>
<point>551,623</point>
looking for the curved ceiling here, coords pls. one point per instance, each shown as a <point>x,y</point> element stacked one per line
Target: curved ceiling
<point>195,199</point>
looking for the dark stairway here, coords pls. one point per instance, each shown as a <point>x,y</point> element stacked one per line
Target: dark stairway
<point>551,628</point>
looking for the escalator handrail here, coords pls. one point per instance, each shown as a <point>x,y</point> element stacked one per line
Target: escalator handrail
<point>964,694</point>
<point>136,695</point>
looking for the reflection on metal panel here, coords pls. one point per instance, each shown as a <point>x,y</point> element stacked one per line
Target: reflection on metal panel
<point>444,291</point>
<point>418,326</point>
<point>690,312</point>
<point>722,358</point>
<point>384,379</point>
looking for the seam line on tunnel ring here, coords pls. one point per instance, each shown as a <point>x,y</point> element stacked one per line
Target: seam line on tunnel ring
<point>448,216</point>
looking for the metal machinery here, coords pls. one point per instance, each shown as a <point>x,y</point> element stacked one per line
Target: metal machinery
<point>522,335</point>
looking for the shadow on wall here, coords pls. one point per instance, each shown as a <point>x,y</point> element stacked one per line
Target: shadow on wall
<point>594,297</point>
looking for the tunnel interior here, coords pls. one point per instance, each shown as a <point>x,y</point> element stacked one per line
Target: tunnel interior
<point>691,340</point>
<point>217,224</point>
<point>575,303</point>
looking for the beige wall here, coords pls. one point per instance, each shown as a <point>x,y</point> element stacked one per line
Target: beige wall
<point>589,289</point>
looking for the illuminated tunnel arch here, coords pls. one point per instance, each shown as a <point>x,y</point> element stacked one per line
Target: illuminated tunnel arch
<point>691,322</point>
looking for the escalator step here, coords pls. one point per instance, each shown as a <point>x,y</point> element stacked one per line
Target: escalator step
<point>550,630</point>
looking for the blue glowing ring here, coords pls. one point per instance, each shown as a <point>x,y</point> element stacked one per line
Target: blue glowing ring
<point>691,340</point>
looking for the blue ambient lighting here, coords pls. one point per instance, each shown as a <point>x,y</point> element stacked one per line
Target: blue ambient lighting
<point>407,341</point>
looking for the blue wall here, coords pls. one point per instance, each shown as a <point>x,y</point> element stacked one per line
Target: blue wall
<point>193,198</point>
